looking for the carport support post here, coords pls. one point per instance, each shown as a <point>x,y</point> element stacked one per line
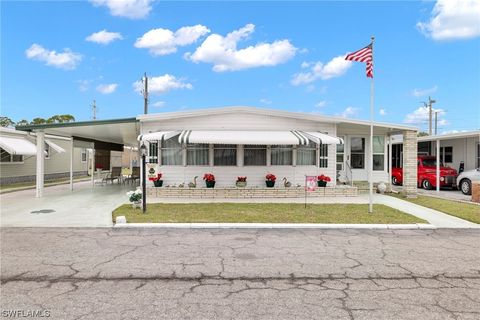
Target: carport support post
<point>93,167</point>
<point>437,173</point>
<point>390,159</point>
<point>40,163</point>
<point>410,163</point>
<point>71,164</point>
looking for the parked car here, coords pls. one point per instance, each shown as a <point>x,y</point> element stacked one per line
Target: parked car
<point>465,179</point>
<point>426,174</point>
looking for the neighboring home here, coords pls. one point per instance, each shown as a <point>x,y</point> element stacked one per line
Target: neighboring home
<point>18,157</point>
<point>245,141</point>
<point>455,148</point>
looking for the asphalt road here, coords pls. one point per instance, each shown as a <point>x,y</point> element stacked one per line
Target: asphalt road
<point>241,274</point>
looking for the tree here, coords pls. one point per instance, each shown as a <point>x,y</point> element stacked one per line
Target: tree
<point>22,122</point>
<point>38,121</point>
<point>422,134</point>
<point>60,118</point>
<point>6,122</point>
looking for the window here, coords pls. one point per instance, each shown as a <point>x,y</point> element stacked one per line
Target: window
<point>306,155</point>
<point>424,148</point>
<point>152,152</point>
<point>225,155</point>
<point>323,161</point>
<point>446,154</point>
<point>84,155</point>
<point>197,154</point>
<point>478,155</point>
<point>172,152</point>
<point>6,157</point>
<point>340,156</point>
<point>47,151</point>
<point>378,153</point>
<point>282,155</point>
<point>357,152</point>
<point>255,155</point>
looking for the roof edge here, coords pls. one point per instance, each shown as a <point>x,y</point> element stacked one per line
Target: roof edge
<point>31,127</point>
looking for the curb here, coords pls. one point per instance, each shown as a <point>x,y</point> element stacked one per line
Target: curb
<point>415,226</point>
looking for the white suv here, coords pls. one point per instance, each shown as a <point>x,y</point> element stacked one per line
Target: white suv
<point>465,179</point>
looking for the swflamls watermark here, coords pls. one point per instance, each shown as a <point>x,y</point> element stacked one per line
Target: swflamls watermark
<point>24,313</point>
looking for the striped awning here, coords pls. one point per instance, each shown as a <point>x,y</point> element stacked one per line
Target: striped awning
<point>155,136</point>
<point>322,138</point>
<point>244,137</point>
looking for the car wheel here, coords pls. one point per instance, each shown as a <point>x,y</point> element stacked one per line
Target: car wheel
<point>395,181</point>
<point>466,186</point>
<point>427,185</point>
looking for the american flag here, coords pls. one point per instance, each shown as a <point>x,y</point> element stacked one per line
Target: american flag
<point>363,55</point>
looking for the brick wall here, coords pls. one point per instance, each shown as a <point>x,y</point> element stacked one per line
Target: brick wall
<point>410,163</point>
<point>245,193</point>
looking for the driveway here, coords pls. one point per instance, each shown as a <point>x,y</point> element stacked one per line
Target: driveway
<point>443,193</point>
<point>241,274</point>
<point>60,207</point>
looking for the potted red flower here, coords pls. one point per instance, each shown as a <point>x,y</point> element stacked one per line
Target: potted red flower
<point>270,180</point>
<point>241,182</point>
<point>209,180</point>
<point>322,180</point>
<point>157,181</point>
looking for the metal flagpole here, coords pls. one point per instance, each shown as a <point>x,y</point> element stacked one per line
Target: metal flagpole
<point>370,175</point>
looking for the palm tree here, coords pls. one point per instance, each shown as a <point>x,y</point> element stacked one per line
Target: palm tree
<point>22,122</point>
<point>38,121</point>
<point>60,118</point>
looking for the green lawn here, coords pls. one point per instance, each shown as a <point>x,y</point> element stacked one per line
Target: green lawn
<point>467,211</point>
<point>264,213</point>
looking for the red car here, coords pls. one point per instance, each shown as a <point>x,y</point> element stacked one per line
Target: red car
<point>426,174</point>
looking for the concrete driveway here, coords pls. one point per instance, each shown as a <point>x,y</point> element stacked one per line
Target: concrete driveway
<point>60,207</point>
<point>444,193</point>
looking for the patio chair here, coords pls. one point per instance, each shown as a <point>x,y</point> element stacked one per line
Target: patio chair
<point>115,174</point>
<point>135,174</point>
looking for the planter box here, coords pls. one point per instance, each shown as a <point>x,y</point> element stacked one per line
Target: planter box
<point>210,184</point>
<point>321,184</point>
<point>270,184</point>
<point>241,184</point>
<point>158,183</point>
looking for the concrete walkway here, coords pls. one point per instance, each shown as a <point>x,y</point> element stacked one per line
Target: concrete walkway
<point>60,207</point>
<point>436,218</point>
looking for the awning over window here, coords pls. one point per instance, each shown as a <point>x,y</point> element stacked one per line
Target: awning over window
<point>18,146</point>
<point>322,138</point>
<point>54,147</point>
<point>244,137</point>
<point>154,136</point>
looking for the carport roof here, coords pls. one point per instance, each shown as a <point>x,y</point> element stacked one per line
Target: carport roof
<point>122,131</point>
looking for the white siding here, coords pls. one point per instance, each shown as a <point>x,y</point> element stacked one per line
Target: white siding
<point>464,149</point>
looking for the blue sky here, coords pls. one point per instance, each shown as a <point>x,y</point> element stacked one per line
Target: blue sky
<point>278,55</point>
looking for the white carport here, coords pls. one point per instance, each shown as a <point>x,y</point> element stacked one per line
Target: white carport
<point>105,134</point>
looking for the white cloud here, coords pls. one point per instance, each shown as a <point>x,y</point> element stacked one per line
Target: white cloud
<point>349,112</point>
<point>382,112</point>
<point>421,116</point>
<point>332,69</point>
<point>161,42</point>
<point>453,131</point>
<point>162,84</point>
<point>453,19</point>
<point>321,104</point>
<point>104,37</point>
<point>424,92</point>
<point>83,85</point>
<point>107,88</point>
<point>132,9</point>
<point>64,60</point>
<point>158,104</point>
<point>222,51</point>
<point>265,101</point>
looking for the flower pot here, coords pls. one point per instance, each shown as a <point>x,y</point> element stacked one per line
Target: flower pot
<point>241,184</point>
<point>158,183</point>
<point>270,184</point>
<point>210,184</point>
<point>136,204</point>
<point>321,183</point>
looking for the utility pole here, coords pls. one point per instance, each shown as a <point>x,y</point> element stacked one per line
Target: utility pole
<point>436,121</point>
<point>145,94</point>
<point>430,102</point>
<point>94,110</point>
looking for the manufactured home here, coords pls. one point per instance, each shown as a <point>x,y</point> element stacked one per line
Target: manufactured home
<point>246,141</point>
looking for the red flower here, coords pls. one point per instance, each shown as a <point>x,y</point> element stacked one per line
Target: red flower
<point>158,177</point>
<point>270,177</point>
<point>208,177</point>
<point>241,179</point>
<point>324,178</point>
